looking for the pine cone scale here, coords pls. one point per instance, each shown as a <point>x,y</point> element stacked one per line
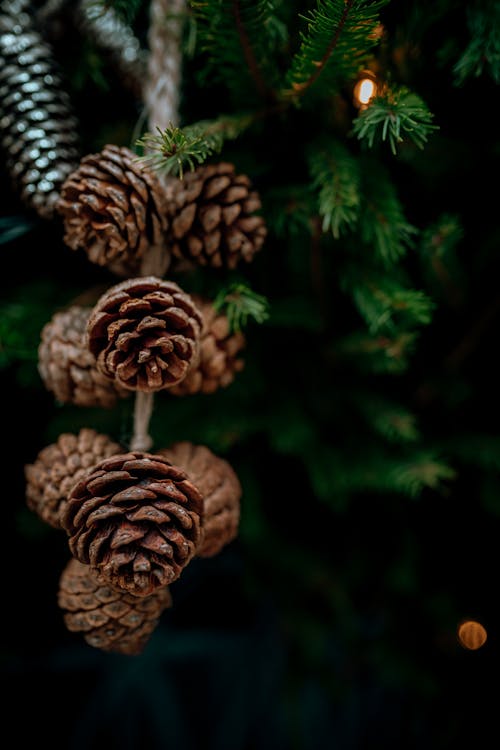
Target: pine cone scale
<point>108,619</point>
<point>221,492</point>
<point>128,210</point>
<point>127,537</point>
<point>144,333</point>
<point>209,216</point>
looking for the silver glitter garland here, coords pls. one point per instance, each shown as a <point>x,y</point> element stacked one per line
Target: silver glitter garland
<point>38,131</point>
<point>111,34</point>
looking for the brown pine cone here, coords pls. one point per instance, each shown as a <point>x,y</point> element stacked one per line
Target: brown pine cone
<point>59,466</point>
<point>221,492</point>
<point>109,620</point>
<point>218,360</point>
<point>68,368</point>
<point>145,333</point>
<point>116,210</point>
<point>136,520</point>
<point>212,217</point>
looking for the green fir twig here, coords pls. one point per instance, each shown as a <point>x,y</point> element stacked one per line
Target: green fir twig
<point>240,303</point>
<point>393,116</point>
<point>174,149</point>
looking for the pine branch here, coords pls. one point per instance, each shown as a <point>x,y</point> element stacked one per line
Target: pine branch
<point>425,471</point>
<point>170,151</point>
<point>239,38</point>
<point>392,421</point>
<point>340,34</point>
<point>483,51</point>
<point>393,115</point>
<point>386,304</point>
<point>336,176</point>
<point>240,303</point>
<point>382,222</point>
<point>438,255</point>
<point>379,354</point>
<point>334,474</point>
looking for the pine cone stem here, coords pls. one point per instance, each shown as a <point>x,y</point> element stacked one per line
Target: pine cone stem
<point>143,410</point>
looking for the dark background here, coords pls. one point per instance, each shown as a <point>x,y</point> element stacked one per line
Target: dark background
<point>331,621</point>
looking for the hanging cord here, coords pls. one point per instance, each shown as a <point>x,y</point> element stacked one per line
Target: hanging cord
<point>161,97</point>
<point>143,409</point>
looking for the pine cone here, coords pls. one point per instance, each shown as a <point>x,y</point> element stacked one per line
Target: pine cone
<point>212,217</point>
<point>37,126</point>
<point>109,620</point>
<point>115,209</point>
<point>145,333</point>
<point>59,466</point>
<point>66,365</point>
<point>218,361</point>
<point>221,492</point>
<point>136,519</point>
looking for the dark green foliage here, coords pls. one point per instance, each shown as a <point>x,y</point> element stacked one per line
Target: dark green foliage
<point>393,116</point>
<point>335,46</point>
<point>240,303</point>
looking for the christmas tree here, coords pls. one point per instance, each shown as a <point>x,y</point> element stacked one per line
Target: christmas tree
<point>245,344</point>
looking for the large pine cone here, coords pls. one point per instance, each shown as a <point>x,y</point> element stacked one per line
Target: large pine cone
<point>212,217</point>
<point>145,333</point>
<point>136,520</point>
<point>38,132</point>
<point>218,361</point>
<point>109,620</point>
<point>221,492</point>
<point>115,209</point>
<point>66,365</point>
<point>59,466</point>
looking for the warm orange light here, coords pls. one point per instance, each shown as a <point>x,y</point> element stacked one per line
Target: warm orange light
<point>472,635</point>
<point>364,91</point>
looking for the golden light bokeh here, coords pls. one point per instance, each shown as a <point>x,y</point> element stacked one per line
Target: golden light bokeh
<point>364,90</point>
<point>471,634</point>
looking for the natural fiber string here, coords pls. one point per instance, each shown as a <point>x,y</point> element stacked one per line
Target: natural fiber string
<point>143,409</point>
<point>161,97</point>
<point>161,94</point>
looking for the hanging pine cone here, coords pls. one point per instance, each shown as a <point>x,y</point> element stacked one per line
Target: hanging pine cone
<point>115,209</point>
<point>218,361</point>
<point>212,217</point>
<point>145,333</point>
<point>67,367</point>
<point>37,126</point>
<point>221,492</point>
<point>59,466</point>
<point>136,520</point>
<point>110,620</point>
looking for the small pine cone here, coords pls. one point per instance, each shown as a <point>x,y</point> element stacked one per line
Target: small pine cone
<point>221,492</point>
<point>218,360</point>
<point>38,131</point>
<point>116,210</point>
<point>59,466</point>
<point>145,333</point>
<point>68,368</point>
<point>110,620</point>
<point>212,217</point>
<point>136,520</point>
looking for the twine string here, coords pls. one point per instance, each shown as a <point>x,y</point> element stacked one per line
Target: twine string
<point>161,98</point>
